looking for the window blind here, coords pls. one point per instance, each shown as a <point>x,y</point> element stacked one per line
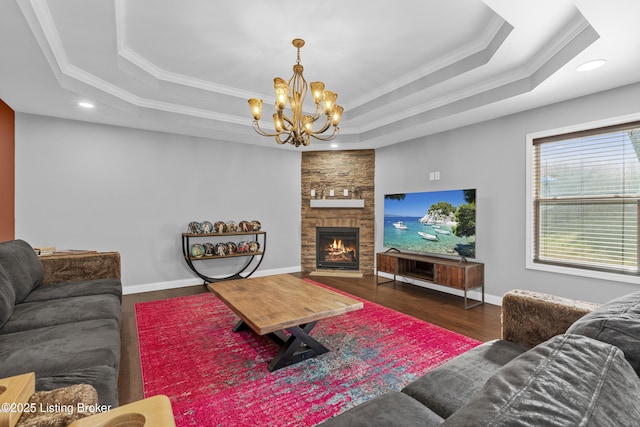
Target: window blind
<point>585,199</point>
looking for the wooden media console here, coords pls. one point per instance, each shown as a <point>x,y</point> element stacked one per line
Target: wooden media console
<point>440,271</point>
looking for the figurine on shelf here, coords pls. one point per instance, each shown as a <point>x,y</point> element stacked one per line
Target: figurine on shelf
<point>245,226</point>
<point>232,247</point>
<point>209,249</point>
<point>221,249</point>
<point>197,250</point>
<point>207,227</point>
<point>220,227</point>
<point>194,228</point>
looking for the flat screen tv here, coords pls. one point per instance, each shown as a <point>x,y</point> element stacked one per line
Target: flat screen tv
<point>432,222</point>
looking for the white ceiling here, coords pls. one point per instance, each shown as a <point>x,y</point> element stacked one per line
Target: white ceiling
<point>402,70</point>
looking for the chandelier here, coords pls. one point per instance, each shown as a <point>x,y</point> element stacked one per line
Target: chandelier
<point>296,128</point>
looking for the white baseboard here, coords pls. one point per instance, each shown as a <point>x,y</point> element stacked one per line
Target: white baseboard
<point>194,281</point>
<point>474,294</point>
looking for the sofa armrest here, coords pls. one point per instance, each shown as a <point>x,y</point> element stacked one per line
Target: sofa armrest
<point>530,318</point>
<point>89,266</point>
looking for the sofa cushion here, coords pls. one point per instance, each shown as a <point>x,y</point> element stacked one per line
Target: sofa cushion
<point>451,386</point>
<point>568,380</point>
<point>617,323</point>
<point>33,315</point>
<point>7,297</point>
<point>23,267</point>
<point>58,349</point>
<point>76,289</point>
<point>390,409</point>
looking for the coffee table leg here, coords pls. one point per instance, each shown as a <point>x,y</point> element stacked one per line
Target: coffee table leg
<point>240,326</point>
<point>300,346</point>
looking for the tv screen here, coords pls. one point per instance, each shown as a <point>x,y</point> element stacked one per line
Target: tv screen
<point>434,222</point>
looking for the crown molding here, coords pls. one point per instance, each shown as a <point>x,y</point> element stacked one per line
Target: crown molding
<point>576,26</point>
<point>130,55</point>
<point>574,37</point>
<point>455,57</point>
<point>44,29</point>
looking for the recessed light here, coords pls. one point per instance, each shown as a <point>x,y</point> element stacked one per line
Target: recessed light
<point>86,104</point>
<point>591,65</point>
<point>334,145</point>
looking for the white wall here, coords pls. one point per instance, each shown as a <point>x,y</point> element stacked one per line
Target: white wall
<point>89,186</point>
<point>490,157</point>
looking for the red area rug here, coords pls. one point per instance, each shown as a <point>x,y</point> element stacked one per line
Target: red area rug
<point>216,377</point>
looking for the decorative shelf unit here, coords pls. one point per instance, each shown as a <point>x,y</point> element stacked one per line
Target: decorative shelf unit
<point>242,272</point>
<point>337,203</point>
<point>441,271</point>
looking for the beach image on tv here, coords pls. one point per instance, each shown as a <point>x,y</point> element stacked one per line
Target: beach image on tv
<point>437,222</point>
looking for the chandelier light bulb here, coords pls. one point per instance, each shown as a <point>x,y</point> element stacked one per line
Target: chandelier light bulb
<point>317,91</point>
<point>256,108</point>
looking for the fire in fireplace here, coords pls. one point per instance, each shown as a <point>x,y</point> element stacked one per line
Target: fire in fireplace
<point>337,248</point>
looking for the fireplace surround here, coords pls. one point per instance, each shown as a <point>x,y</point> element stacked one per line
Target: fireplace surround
<point>337,248</point>
<point>338,170</point>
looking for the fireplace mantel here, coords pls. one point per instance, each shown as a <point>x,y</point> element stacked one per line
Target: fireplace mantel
<point>337,203</point>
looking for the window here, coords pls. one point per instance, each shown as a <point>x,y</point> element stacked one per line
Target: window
<point>584,197</point>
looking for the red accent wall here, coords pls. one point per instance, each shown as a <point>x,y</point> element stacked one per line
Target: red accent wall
<point>7,172</point>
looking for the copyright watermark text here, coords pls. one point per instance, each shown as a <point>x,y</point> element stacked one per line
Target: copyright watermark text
<point>42,408</point>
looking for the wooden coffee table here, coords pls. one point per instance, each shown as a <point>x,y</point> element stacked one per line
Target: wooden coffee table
<point>271,305</point>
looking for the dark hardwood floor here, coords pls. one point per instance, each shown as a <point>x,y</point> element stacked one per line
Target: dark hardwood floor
<point>445,310</point>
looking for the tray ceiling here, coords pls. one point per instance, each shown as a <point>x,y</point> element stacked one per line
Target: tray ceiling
<point>402,70</point>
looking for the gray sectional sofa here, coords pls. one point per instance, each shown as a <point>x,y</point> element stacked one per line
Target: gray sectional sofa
<point>560,363</point>
<point>60,318</point>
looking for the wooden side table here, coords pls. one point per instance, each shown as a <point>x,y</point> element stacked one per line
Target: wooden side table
<point>14,396</point>
<point>151,412</point>
<point>15,393</point>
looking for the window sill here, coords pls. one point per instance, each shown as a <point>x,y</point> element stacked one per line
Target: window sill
<point>579,272</point>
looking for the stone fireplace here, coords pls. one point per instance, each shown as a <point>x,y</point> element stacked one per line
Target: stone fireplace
<point>323,171</point>
<point>337,248</point>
